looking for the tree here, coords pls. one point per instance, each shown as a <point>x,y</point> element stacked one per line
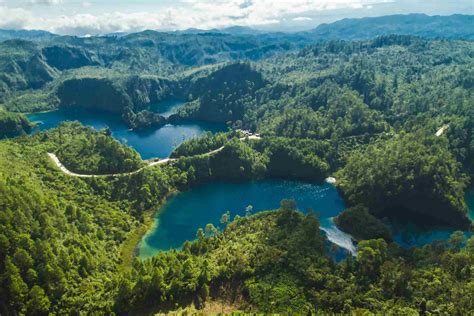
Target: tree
<point>38,303</point>
<point>4,245</point>
<point>248,210</point>
<point>225,218</point>
<point>457,240</point>
<point>22,260</point>
<point>210,229</point>
<point>16,287</point>
<point>371,254</point>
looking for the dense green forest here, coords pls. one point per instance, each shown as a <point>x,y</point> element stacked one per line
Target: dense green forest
<point>62,238</point>
<point>390,117</point>
<point>407,177</point>
<point>86,150</point>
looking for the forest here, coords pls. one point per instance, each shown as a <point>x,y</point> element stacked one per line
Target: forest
<point>390,117</point>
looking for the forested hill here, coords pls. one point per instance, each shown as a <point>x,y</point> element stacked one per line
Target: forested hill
<point>41,61</point>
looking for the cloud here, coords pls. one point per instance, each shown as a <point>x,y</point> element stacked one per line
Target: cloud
<point>16,18</point>
<point>204,14</point>
<point>302,18</point>
<point>86,4</point>
<point>46,2</point>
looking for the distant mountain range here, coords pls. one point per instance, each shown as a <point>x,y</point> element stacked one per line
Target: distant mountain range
<point>32,35</point>
<point>455,26</point>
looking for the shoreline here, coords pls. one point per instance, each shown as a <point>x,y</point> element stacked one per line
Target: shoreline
<point>38,112</point>
<point>128,249</point>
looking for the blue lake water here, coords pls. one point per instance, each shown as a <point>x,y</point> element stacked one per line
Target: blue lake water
<point>151,143</point>
<point>166,107</point>
<point>186,212</point>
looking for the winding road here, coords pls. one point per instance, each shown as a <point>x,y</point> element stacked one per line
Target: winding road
<point>150,163</point>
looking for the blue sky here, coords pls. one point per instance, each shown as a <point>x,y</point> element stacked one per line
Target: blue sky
<point>83,17</point>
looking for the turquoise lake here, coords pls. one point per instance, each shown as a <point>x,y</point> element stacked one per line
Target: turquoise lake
<point>150,143</point>
<point>186,212</point>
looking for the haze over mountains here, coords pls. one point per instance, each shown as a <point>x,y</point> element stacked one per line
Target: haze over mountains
<point>453,26</point>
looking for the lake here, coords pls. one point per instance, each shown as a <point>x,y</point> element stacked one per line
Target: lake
<point>150,143</point>
<point>185,213</point>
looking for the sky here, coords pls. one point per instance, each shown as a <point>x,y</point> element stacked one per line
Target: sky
<point>92,17</point>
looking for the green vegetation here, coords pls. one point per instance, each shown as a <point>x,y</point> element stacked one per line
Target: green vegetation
<point>62,238</point>
<point>407,177</point>
<point>58,236</point>
<point>202,145</point>
<point>361,225</point>
<point>301,159</point>
<point>85,150</point>
<point>13,124</point>
<point>221,95</point>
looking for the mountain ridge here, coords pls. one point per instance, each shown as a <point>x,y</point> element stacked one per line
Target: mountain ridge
<point>336,30</point>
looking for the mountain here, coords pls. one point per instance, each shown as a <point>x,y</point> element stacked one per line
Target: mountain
<point>455,26</point>
<point>240,30</point>
<point>32,35</point>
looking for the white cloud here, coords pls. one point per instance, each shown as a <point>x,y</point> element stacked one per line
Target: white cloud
<point>14,18</point>
<point>86,4</point>
<point>46,2</point>
<point>302,18</point>
<point>204,14</point>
